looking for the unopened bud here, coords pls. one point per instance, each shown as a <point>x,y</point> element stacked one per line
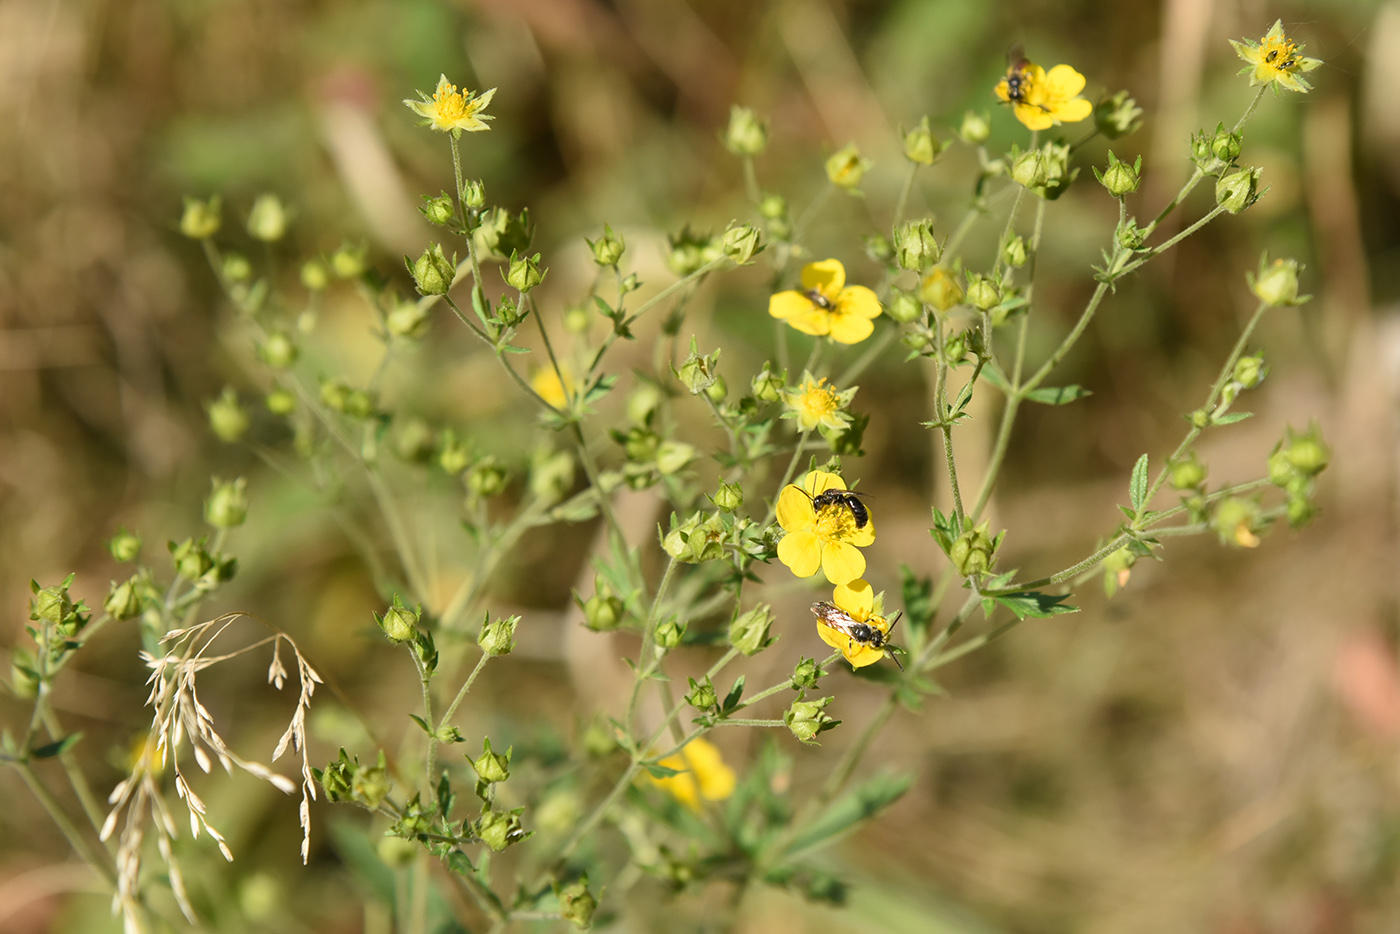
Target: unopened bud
<point>749,631</point>
<point>920,145</point>
<point>399,622</point>
<point>1276,285</point>
<point>975,128</point>
<point>845,168</point>
<point>227,417</point>
<point>607,249</point>
<point>1120,178</point>
<point>124,546</point>
<point>983,293</point>
<point>267,220</point>
<point>1238,190</point>
<point>432,272</point>
<point>916,248</point>
<point>1117,116</point>
<point>491,767</point>
<point>941,289</point>
<point>746,134</point>
<point>201,219</point>
<point>227,505</point>
<point>741,243</point>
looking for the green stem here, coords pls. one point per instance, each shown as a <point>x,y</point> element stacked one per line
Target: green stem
<point>462,694</point>
<point>646,656</point>
<point>904,192</point>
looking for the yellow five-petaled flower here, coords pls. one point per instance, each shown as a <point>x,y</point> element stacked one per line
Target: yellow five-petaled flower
<point>452,111</point>
<point>1274,59</point>
<point>703,774</point>
<point>1041,99</point>
<point>856,600</point>
<point>826,306</point>
<point>826,538</point>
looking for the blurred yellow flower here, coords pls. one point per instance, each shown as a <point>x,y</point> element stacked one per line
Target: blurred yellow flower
<point>1042,99</point>
<point>452,111</point>
<point>550,387</point>
<point>703,774</point>
<point>857,601</point>
<point>1275,59</point>
<point>825,538</point>
<point>827,307</point>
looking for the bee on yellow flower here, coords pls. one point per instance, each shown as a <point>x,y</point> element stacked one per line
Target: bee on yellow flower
<point>826,307</point>
<point>1041,99</point>
<point>452,111</point>
<point>702,774</point>
<point>825,537</point>
<point>855,626</point>
<point>1275,60</point>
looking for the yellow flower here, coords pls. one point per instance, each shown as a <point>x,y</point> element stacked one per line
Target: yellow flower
<point>452,111</point>
<point>857,601</point>
<point>816,405</point>
<point>1275,59</point>
<point>821,538</point>
<point>827,307</point>
<point>703,774</point>
<point>1043,99</point>
<point>550,387</point>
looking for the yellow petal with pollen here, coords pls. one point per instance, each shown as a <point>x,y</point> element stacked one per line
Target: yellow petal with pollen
<point>857,598</point>
<point>841,563</point>
<point>795,511</point>
<point>827,276</point>
<point>802,553</point>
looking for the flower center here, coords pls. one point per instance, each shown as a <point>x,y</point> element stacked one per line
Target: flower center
<point>450,104</point>
<point>1280,53</point>
<point>819,400</point>
<point>834,523</point>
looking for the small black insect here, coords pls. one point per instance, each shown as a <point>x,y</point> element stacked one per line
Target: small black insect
<point>848,498</point>
<point>817,298</point>
<point>1016,83</point>
<point>833,617</point>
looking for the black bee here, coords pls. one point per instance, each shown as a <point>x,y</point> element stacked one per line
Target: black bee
<point>1273,54</point>
<point>848,498</point>
<point>1017,82</point>
<point>832,616</point>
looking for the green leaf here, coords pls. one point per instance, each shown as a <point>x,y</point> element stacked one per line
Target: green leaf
<point>857,806</point>
<point>1137,486</point>
<point>659,771</point>
<point>1230,418</point>
<point>917,594</point>
<point>422,723</point>
<point>731,700</point>
<point>996,377</point>
<point>1034,603</point>
<point>1057,395</point>
<point>58,748</point>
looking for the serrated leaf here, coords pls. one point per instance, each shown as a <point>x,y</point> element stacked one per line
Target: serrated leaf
<point>1137,486</point>
<point>50,750</point>
<point>1035,603</point>
<point>855,807</point>
<point>1229,418</point>
<point>1058,395</point>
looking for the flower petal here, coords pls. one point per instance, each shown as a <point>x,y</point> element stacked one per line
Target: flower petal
<point>865,535</point>
<point>857,598</point>
<point>802,553</point>
<point>789,303</point>
<point>827,276</point>
<point>1033,118</point>
<point>834,637</point>
<point>1062,82</point>
<point>848,329</point>
<point>814,321</point>
<point>861,655</point>
<point>818,482</point>
<point>842,563</point>
<point>1072,111</point>
<point>859,301</point>
<point>795,512</point>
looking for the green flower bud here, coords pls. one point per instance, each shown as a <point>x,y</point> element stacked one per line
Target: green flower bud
<point>1300,511</point>
<point>1276,285</point>
<point>1130,236</point>
<point>399,622</point>
<point>955,348</point>
<point>877,248</point>
<point>453,454</point>
<point>201,219</point>
<point>607,249</point>
<point>491,767</point>
<point>414,441</point>
<point>749,631</point>
<point>983,292</point>
<point>698,372</point>
<point>524,273</point>
<point>499,829</point>
<point>52,604</point>
<point>432,272</point>
<point>1117,116</point>
<point>1238,190</point>
<point>904,306</point>
<point>407,319</point>
<point>280,401</point>
<point>439,210</point>
<point>920,145</point>
<point>702,695</point>
<point>773,207</point>
<point>941,289</point>
<point>973,552</point>
<point>729,497</point>
<point>278,350</point>
<point>1305,454</point>
<point>124,546</point>
<point>1250,371</point>
<point>1029,170</point>
<point>370,785</point>
<point>717,390</point>
<point>576,904</point>
<point>551,474</point>
<point>1188,473</point>
<point>768,385</point>
<point>741,243</point>
<point>746,134</point>
<point>267,220</point>
<point>124,599</point>
<point>1120,178</point>
<point>474,194</point>
<point>672,456</point>
<point>1013,251</point>
<point>1200,419</point>
<point>487,478</point>
<point>975,128</point>
<point>236,268</point>
<point>227,417</point>
<point>845,168</point>
<point>805,675</point>
<point>603,611</point>
<point>916,247</point>
<point>1236,521</point>
<point>498,636</point>
<point>314,275</point>
<point>192,560</point>
<point>1225,145</point>
<point>348,262</point>
<point>669,633</point>
<point>227,505</point>
<point>807,719</point>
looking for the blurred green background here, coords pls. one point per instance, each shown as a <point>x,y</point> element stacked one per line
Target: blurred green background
<point>1212,750</point>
